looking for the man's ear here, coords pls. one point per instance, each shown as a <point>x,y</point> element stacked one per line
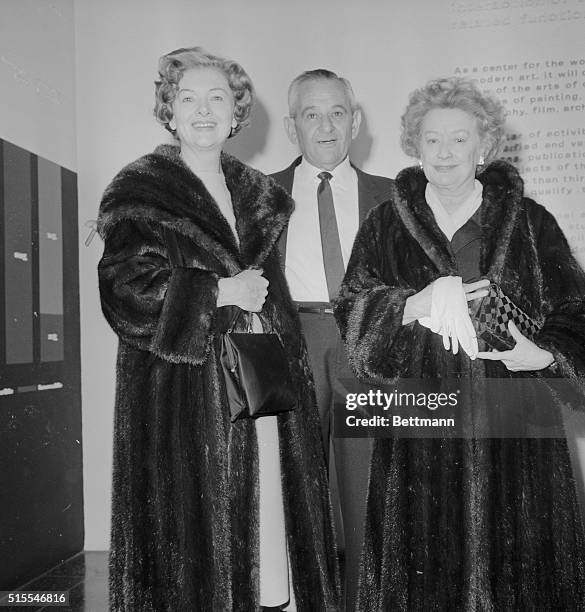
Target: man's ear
<point>291,130</point>
<point>356,120</point>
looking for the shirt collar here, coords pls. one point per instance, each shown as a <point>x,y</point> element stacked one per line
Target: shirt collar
<point>342,174</point>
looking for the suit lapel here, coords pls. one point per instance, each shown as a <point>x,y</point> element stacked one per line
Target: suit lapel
<point>368,194</point>
<point>285,178</point>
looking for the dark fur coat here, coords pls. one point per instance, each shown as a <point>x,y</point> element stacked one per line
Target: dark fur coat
<point>478,524</point>
<point>185,486</point>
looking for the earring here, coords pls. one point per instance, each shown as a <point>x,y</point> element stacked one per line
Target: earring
<point>420,164</point>
<point>481,161</point>
<point>233,128</point>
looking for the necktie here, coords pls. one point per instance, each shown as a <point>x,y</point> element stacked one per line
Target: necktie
<point>332,258</point>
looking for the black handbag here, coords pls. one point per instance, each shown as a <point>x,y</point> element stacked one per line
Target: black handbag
<point>491,317</point>
<point>257,377</point>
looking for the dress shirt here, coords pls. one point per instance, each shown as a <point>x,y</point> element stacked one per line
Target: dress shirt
<point>305,271</point>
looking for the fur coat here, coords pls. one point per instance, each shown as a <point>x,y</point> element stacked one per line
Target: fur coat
<point>185,486</point>
<point>465,524</point>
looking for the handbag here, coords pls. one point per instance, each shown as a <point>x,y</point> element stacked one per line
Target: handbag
<point>257,376</point>
<point>491,318</point>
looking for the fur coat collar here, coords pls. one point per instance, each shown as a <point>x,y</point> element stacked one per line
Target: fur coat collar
<point>503,191</point>
<point>161,188</point>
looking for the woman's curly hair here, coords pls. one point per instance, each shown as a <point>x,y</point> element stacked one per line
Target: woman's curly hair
<point>173,65</point>
<point>454,92</point>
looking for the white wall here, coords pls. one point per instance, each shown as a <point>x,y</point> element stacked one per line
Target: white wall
<point>386,49</point>
<point>37,78</point>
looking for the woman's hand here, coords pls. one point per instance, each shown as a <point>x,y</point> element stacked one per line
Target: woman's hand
<point>248,290</point>
<point>448,315</point>
<point>477,290</point>
<point>419,304</point>
<point>524,357</point>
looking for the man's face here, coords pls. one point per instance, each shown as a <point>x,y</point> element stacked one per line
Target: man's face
<point>324,124</point>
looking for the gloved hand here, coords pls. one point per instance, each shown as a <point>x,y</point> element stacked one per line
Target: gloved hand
<point>449,315</point>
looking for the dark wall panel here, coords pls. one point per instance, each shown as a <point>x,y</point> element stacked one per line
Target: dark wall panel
<point>18,256</point>
<point>41,502</point>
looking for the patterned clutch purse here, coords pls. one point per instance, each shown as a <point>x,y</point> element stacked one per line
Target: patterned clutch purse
<point>490,319</point>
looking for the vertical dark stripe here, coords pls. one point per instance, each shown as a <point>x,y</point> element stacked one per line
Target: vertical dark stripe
<point>50,261</point>
<point>2,273</point>
<point>70,274</point>
<point>50,238</point>
<point>34,210</point>
<point>18,256</point>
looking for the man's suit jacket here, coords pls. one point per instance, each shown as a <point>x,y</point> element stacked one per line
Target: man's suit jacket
<point>372,190</point>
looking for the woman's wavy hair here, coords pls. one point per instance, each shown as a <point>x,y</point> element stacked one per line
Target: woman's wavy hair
<point>173,65</point>
<point>454,92</point>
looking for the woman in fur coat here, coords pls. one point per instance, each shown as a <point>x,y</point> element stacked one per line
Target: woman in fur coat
<point>476,524</point>
<point>207,514</point>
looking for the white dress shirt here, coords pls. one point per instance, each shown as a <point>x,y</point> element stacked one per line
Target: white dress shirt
<point>304,267</point>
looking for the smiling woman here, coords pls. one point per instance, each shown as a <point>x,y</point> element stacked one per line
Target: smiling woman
<point>450,151</point>
<point>206,513</point>
<point>479,523</point>
<point>203,111</point>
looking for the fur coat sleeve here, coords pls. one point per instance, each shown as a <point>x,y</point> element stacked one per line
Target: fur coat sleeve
<point>150,303</point>
<point>563,280</point>
<point>372,292</point>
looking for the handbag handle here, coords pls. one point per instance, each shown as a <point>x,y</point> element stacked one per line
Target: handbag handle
<point>236,318</point>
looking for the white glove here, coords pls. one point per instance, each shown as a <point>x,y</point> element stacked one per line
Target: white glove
<point>450,316</point>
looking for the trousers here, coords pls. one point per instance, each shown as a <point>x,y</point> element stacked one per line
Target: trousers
<point>348,458</point>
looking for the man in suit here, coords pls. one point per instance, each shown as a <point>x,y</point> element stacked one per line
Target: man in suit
<point>332,197</point>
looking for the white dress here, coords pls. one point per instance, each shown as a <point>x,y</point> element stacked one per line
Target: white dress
<point>274,572</point>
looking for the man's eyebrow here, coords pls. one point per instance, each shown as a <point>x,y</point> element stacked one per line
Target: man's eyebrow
<point>313,107</point>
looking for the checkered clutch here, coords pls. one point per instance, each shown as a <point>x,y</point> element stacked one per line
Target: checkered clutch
<point>491,317</point>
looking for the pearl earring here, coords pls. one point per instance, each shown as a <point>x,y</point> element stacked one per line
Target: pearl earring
<point>481,161</point>
<point>420,164</point>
